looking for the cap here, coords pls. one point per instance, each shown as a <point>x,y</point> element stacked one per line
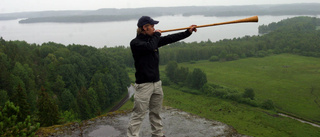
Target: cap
<point>146,20</point>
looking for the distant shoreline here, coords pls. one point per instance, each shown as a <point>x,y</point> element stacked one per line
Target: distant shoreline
<point>110,14</point>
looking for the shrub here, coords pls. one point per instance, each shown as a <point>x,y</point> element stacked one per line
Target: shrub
<point>248,93</point>
<point>10,126</point>
<point>267,104</point>
<point>233,96</point>
<point>165,81</point>
<point>249,102</point>
<point>214,58</point>
<point>207,89</point>
<point>220,92</point>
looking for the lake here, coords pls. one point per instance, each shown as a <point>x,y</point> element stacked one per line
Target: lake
<point>118,33</point>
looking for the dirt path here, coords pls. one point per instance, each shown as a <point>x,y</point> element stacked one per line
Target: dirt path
<point>124,100</point>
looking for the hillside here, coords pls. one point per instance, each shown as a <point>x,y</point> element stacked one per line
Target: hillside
<point>290,81</point>
<point>57,82</point>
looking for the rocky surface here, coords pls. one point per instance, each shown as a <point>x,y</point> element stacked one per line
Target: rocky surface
<point>176,124</point>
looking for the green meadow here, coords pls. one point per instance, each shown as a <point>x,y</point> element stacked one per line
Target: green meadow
<point>290,81</point>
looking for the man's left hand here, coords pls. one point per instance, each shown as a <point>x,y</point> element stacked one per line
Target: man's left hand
<point>193,28</point>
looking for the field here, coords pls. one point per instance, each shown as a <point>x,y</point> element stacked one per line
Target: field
<point>290,81</point>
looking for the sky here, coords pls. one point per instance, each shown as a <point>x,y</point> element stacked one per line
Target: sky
<point>10,6</point>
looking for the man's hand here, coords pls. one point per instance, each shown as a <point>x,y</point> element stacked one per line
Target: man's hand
<point>158,31</point>
<point>193,28</point>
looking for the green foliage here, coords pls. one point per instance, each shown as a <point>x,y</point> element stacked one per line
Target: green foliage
<point>197,78</point>
<point>83,104</point>
<point>3,97</point>
<point>11,126</point>
<point>62,71</point>
<point>182,76</point>
<point>48,114</point>
<point>68,116</point>
<point>230,94</point>
<point>268,104</point>
<point>4,73</point>
<point>214,58</point>
<point>171,69</point>
<point>20,99</point>
<point>93,102</point>
<point>302,23</point>
<point>59,85</point>
<point>66,100</point>
<point>248,93</point>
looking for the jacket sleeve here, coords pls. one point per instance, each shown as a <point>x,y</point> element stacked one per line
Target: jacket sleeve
<point>173,38</point>
<point>142,47</point>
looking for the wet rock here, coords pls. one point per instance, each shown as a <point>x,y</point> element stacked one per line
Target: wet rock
<point>176,124</point>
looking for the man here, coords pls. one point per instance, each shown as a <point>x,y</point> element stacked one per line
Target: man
<point>149,94</point>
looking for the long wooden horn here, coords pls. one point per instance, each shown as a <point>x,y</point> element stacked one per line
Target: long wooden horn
<point>250,19</point>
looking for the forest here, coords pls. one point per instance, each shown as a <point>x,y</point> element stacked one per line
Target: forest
<point>52,83</point>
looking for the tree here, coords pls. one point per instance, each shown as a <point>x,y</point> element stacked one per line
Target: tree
<point>84,108</point>
<point>214,58</point>
<point>181,74</point>
<point>4,73</point>
<point>197,78</point>
<point>11,126</point>
<point>66,100</point>
<point>267,104</point>
<point>59,85</point>
<point>20,99</point>
<point>171,69</point>
<point>93,102</point>
<point>25,73</point>
<point>3,97</point>
<point>248,93</point>
<point>48,114</point>
<point>101,90</point>
<point>68,116</point>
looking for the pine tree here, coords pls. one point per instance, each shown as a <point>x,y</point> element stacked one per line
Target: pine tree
<point>3,97</point>
<point>48,114</point>
<point>20,99</point>
<point>59,85</point>
<point>93,102</point>
<point>66,100</point>
<point>10,126</point>
<point>84,108</point>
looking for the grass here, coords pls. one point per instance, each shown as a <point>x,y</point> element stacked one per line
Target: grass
<point>318,28</point>
<point>290,81</point>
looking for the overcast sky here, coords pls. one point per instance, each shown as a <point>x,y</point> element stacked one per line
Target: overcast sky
<point>8,6</point>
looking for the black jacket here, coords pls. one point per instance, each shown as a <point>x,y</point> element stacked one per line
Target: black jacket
<point>145,50</point>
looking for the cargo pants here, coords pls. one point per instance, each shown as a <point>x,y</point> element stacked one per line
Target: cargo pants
<point>148,96</point>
